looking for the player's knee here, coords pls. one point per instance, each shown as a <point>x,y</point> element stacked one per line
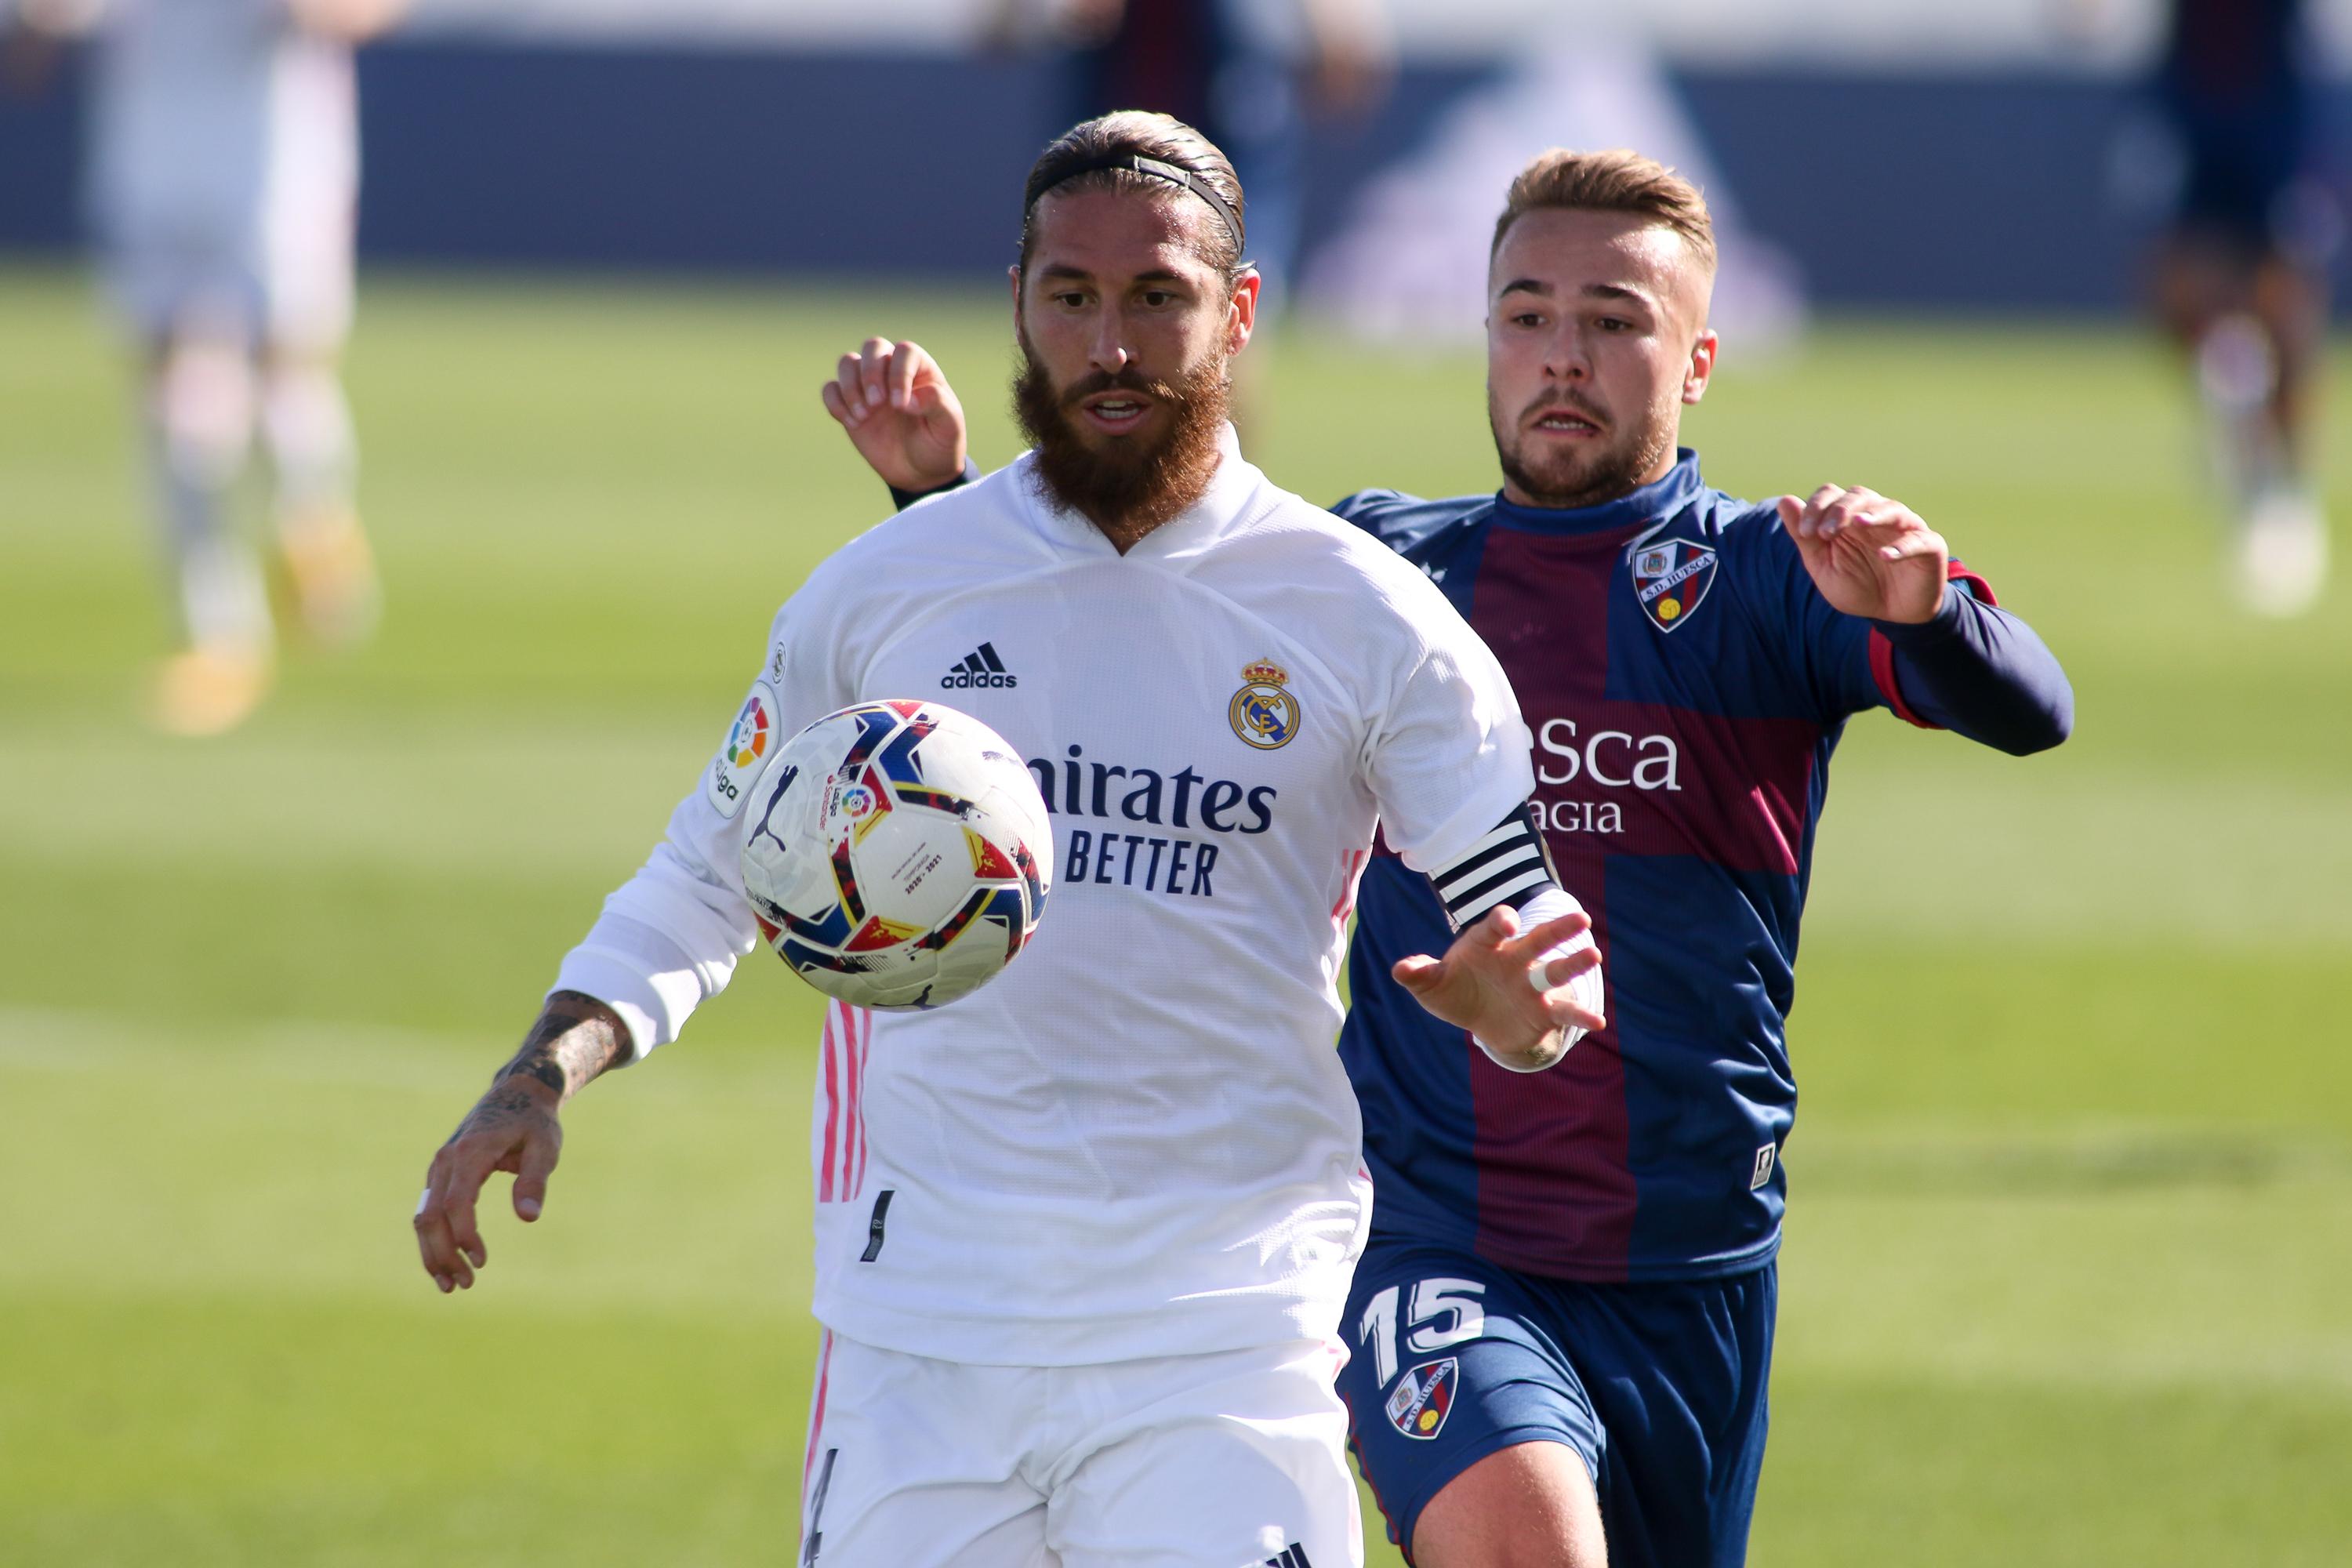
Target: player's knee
<point>306,420</point>
<point>1528,1506</point>
<point>202,406</point>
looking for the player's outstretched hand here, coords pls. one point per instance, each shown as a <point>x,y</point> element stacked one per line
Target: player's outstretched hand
<point>512,1128</point>
<point>1869,555</point>
<point>900,413</point>
<point>1487,984</point>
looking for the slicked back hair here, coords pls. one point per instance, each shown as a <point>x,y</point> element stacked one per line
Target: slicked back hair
<point>1617,181</point>
<point>1162,137</point>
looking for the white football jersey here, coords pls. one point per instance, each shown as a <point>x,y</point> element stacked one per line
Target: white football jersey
<point>224,154</point>
<point>1138,1140</point>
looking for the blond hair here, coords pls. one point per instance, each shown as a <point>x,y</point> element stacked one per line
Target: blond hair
<point>1617,181</point>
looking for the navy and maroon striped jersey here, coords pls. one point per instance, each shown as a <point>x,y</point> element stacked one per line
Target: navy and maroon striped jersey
<point>1686,684</point>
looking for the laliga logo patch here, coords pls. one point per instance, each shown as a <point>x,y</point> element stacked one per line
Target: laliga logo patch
<point>1424,1397</point>
<point>1263,712</point>
<point>748,741</point>
<point>1670,578</point>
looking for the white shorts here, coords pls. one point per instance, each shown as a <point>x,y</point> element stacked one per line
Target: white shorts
<point>295,293</point>
<point>287,284</point>
<point>224,187</point>
<point>1229,1460</point>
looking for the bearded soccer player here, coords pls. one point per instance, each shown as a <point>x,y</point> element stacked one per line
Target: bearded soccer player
<point>1083,1237</point>
<point>1563,1326</point>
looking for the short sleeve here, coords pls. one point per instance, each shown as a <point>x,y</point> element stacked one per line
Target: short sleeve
<point>1448,756</point>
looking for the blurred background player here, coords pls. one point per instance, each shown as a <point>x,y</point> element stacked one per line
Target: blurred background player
<point>2241,278</point>
<point>222,184</point>
<point>1562,1325</point>
<point>1249,75</point>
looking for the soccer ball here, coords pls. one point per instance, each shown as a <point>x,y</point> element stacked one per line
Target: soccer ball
<point>894,856</point>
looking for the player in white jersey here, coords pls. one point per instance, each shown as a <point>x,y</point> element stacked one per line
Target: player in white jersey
<point>1083,1236</point>
<point>222,179</point>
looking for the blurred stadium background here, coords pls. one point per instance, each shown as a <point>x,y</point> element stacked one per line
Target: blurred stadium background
<point>2071,1241</point>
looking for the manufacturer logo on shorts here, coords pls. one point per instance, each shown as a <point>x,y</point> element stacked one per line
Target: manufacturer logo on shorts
<point>1293,1556</point>
<point>981,667</point>
<point>1264,712</point>
<point>748,739</point>
<point>1670,578</point>
<point>1424,1397</point>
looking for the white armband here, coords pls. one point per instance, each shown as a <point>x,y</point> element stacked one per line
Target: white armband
<point>1548,903</point>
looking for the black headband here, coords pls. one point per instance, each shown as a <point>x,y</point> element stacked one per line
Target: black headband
<point>1154,168</point>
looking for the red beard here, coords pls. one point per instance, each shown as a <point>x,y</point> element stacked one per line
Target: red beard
<point>1130,484</point>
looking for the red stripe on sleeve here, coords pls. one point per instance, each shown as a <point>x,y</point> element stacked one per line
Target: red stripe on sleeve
<point>1882,671</point>
<point>1882,652</point>
<point>1958,572</point>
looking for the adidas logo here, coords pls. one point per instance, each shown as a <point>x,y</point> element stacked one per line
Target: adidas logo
<point>979,667</point>
<point>1293,1556</point>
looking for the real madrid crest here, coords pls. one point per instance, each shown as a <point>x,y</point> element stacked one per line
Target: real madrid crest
<point>1264,712</point>
<point>1671,577</point>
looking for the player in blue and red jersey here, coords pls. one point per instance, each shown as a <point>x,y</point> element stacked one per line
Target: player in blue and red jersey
<point>2242,274</point>
<point>1563,1324</point>
<point>1581,1262</point>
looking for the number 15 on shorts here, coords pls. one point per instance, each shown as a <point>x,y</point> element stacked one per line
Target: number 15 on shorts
<point>1445,1313</point>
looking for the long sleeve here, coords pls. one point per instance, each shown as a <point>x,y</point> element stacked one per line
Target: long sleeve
<point>1976,670</point>
<point>668,938</point>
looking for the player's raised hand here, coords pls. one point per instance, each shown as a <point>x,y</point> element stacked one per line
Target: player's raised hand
<point>900,413</point>
<point>1488,982</point>
<point>512,1128</point>
<point>1869,555</point>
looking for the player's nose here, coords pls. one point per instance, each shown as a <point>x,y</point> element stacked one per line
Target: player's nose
<point>1566,360</point>
<point>1108,351</point>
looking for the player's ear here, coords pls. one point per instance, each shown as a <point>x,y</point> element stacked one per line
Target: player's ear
<point>1701,369</point>
<point>1241,309</point>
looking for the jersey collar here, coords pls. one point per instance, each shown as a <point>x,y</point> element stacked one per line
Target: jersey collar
<point>1223,508</point>
<point>1652,503</point>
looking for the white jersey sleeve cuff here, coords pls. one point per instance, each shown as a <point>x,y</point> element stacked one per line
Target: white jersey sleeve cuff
<point>642,976</point>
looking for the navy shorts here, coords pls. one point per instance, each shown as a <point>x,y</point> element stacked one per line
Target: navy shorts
<point>2241,168</point>
<point>1660,1387</point>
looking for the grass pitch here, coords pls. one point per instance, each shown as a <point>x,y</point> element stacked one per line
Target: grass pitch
<point>2072,1233</point>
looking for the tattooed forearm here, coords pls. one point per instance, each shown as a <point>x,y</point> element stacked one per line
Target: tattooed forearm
<point>500,1107</point>
<point>537,1057</point>
<point>575,1040</point>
